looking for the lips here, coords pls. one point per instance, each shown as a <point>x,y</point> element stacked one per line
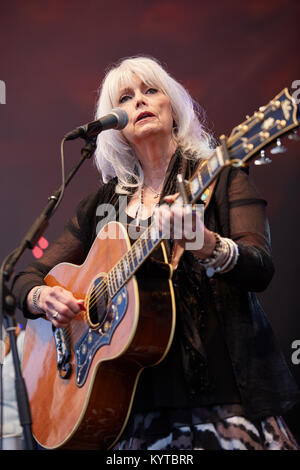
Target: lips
<point>144,115</point>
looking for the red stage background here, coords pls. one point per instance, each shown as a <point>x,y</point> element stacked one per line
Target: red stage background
<point>232,56</point>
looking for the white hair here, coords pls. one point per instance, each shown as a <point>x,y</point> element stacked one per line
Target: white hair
<point>113,155</point>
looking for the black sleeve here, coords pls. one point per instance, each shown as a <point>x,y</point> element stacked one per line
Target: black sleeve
<point>71,246</point>
<point>249,228</point>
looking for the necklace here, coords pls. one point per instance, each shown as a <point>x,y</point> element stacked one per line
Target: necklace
<point>152,190</point>
<point>140,208</point>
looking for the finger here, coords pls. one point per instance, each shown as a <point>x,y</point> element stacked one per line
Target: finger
<point>171,197</point>
<point>63,316</point>
<point>81,305</point>
<point>187,223</point>
<point>58,322</point>
<point>65,297</point>
<point>61,312</point>
<point>56,319</point>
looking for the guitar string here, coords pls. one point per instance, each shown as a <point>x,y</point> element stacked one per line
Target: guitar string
<point>249,141</point>
<point>232,140</point>
<point>131,252</point>
<point>112,275</point>
<point>252,121</point>
<point>93,297</point>
<point>76,328</point>
<point>99,291</point>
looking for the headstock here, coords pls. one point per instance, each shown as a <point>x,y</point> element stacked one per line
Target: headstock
<point>278,117</point>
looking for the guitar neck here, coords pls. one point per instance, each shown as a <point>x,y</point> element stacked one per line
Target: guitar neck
<point>120,274</point>
<point>278,117</point>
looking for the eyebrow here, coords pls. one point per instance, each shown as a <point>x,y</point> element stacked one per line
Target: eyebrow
<point>125,90</point>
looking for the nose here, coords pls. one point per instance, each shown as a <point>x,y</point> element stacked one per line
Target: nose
<point>139,99</point>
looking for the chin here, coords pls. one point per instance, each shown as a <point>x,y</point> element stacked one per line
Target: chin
<point>150,128</point>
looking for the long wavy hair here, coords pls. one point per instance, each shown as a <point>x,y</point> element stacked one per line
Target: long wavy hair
<point>114,156</point>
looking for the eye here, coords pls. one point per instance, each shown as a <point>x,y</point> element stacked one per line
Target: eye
<point>124,98</point>
<point>152,90</point>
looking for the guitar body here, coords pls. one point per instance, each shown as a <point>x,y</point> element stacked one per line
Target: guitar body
<point>89,407</point>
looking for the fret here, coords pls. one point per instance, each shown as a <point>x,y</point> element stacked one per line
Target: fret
<point>199,177</point>
<point>126,266</point>
<point>116,281</point>
<point>118,275</point>
<point>213,164</point>
<point>130,261</point>
<point>220,157</point>
<point>149,244</point>
<point>113,281</point>
<point>144,246</point>
<point>138,249</point>
<point>152,239</point>
<point>122,270</point>
<point>110,290</point>
<point>205,176</point>
<point>134,257</point>
<point>195,187</point>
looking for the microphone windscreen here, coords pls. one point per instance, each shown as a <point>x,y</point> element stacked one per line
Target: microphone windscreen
<point>122,117</point>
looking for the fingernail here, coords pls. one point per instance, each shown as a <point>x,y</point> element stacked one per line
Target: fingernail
<point>81,305</point>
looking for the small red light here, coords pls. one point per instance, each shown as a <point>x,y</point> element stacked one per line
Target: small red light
<point>37,252</point>
<point>43,243</point>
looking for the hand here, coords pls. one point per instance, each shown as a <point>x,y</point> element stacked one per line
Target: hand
<point>59,305</point>
<point>185,226</point>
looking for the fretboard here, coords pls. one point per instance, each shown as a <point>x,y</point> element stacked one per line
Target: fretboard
<point>151,237</point>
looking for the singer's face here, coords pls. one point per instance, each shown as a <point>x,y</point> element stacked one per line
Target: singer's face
<point>149,111</point>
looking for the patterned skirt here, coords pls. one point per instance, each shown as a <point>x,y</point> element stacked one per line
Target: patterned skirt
<point>214,428</point>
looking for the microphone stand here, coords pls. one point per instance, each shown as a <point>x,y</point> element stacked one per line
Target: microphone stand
<point>7,304</point>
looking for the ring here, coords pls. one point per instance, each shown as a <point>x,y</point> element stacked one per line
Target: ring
<point>55,315</point>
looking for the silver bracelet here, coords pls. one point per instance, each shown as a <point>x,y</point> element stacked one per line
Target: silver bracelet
<point>223,258</point>
<point>219,254</point>
<point>35,299</point>
<point>232,260</point>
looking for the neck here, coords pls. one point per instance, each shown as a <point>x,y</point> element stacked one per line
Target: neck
<point>155,156</point>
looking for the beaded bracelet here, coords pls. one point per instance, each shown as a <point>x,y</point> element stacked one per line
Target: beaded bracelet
<point>223,258</point>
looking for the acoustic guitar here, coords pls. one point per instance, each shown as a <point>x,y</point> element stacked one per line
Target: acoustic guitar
<point>81,380</point>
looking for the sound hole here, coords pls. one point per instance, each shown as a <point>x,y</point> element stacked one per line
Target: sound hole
<point>97,306</point>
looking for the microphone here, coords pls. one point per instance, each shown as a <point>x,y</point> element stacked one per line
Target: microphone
<point>116,119</point>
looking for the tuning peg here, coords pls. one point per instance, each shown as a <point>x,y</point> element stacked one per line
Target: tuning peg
<point>294,136</point>
<point>279,148</point>
<point>263,160</point>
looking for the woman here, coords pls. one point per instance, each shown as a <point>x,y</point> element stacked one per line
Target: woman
<point>223,384</point>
